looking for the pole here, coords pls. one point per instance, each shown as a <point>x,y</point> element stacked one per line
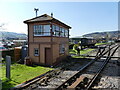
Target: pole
<point>36,9</point>
<point>36,13</point>
<point>8,63</point>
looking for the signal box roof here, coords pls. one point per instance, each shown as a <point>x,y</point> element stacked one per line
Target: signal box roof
<point>45,17</point>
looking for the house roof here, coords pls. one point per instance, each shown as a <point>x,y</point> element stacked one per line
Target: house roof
<point>44,17</point>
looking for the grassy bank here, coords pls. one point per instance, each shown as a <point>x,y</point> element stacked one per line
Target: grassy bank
<point>74,52</point>
<point>21,73</point>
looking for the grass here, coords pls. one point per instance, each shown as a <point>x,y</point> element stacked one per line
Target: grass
<point>21,73</point>
<point>71,51</point>
<point>100,44</point>
<point>85,51</point>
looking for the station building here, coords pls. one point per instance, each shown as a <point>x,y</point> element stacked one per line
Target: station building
<point>48,40</point>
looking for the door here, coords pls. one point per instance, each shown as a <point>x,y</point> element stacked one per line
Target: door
<point>48,56</point>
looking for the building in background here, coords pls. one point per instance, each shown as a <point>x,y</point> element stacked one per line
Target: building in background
<point>48,40</point>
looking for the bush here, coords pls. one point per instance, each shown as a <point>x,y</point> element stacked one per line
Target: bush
<point>75,47</point>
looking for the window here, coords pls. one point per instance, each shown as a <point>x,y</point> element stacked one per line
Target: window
<point>62,31</point>
<point>55,30</point>
<point>41,30</point>
<point>38,29</point>
<point>59,31</point>
<point>66,33</point>
<point>46,30</point>
<point>36,52</point>
<point>62,48</point>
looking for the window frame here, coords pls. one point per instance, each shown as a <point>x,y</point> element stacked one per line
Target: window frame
<point>62,49</point>
<point>39,30</point>
<point>62,32</point>
<point>36,54</point>
<point>66,33</point>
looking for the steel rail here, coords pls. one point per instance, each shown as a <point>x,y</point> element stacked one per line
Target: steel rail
<point>80,70</point>
<point>87,65</point>
<point>103,53</point>
<point>35,79</point>
<point>32,81</point>
<point>77,83</point>
<point>89,85</point>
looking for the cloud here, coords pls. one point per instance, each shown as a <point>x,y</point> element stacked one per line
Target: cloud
<point>12,26</point>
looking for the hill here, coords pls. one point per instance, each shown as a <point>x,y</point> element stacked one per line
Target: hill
<point>110,34</point>
<point>12,35</point>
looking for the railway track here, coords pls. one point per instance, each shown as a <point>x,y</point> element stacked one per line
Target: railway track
<point>69,76</point>
<point>83,79</point>
<point>59,76</point>
<point>43,80</point>
<point>102,66</point>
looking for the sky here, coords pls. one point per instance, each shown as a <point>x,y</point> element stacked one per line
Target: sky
<point>83,17</point>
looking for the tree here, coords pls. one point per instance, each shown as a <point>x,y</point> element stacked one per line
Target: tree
<point>2,28</point>
<point>75,46</point>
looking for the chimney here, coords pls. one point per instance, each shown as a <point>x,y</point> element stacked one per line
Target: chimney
<point>52,15</point>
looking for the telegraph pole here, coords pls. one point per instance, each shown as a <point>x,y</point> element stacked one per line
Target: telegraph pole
<point>36,9</point>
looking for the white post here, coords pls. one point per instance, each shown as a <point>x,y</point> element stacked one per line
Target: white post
<point>8,63</point>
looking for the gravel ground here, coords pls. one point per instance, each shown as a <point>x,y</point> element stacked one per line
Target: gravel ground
<point>110,77</point>
<point>58,79</point>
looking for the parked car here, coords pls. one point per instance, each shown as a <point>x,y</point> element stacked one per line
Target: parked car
<point>88,41</point>
<point>2,48</point>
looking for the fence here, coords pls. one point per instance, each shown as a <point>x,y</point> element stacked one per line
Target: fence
<point>14,53</point>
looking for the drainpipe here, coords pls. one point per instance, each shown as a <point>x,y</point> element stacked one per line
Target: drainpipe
<point>51,41</point>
